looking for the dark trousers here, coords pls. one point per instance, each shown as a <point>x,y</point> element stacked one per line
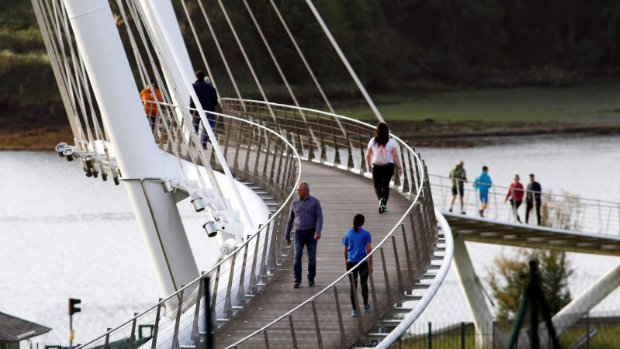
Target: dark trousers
<point>515,208</point>
<point>381,176</point>
<point>305,238</point>
<point>528,207</point>
<point>362,271</point>
<point>205,136</point>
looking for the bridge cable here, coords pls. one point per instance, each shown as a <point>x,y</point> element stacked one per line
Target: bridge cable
<point>345,61</point>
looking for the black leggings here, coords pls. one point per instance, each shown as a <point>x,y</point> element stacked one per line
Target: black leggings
<point>382,175</point>
<point>362,271</point>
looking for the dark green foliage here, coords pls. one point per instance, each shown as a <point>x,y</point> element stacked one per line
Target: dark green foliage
<point>390,43</point>
<point>508,279</point>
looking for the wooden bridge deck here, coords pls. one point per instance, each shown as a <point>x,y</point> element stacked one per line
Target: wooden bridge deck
<point>342,195</point>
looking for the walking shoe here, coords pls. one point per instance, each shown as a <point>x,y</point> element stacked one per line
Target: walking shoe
<point>354,313</point>
<point>381,206</point>
<point>463,212</point>
<point>481,213</point>
<point>450,210</point>
<point>310,283</point>
<point>384,203</point>
<point>296,285</point>
<point>367,307</point>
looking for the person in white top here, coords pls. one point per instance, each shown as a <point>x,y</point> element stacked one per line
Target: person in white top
<point>381,156</point>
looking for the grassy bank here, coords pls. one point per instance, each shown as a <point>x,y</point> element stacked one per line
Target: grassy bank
<point>597,102</point>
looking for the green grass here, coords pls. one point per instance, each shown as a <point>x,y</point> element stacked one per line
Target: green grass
<point>594,102</point>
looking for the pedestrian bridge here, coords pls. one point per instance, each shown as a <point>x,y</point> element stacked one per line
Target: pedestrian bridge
<point>269,148</point>
<point>568,223</point>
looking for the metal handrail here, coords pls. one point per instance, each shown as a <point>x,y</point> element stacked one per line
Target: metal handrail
<point>525,191</point>
<point>378,247</point>
<point>569,212</point>
<point>237,250</point>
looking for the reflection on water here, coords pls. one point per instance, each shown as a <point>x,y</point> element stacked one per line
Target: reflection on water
<point>63,235</point>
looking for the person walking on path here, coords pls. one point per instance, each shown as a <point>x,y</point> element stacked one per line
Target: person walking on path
<point>458,177</point>
<point>482,183</point>
<point>150,95</point>
<point>381,155</point>
<point>515,194</point>
<point>357,246</point>
<point>207,96</point>
<point>533,198</point>
<point>307,218</point>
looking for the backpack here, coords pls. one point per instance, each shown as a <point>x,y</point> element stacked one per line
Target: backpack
<point>380,155</point>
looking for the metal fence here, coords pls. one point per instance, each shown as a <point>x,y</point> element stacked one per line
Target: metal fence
<point>593,331</point>
<point>562,211</point>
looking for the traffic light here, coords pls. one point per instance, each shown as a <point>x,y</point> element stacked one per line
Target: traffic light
<point>73,302</point>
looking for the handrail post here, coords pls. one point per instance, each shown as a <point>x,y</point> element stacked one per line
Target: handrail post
<point>132,338</point>
<point>360,319</point>
<point>343,338</point>
<point>177,322</point>
<point>293,337</point>
<point>266,336</point>
<point>252,286</point>
<point>156,326</point>
<point>195,330</point>
<point>398,272</point>
<point>317,327</point>
<point>373,294</point>
<point>387,279</point>
<point>241,287</point>
<point>407,254</point>
<point>214,295</point>
<point>228,310</point>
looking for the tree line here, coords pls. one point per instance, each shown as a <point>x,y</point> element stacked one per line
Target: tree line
<point>392,44</point>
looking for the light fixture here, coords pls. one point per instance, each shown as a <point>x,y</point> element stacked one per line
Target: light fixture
<point>210,228</point>
<point>60,148</point>
<point>68,153</point>
<point>198,203</point>
<point>88,165</point>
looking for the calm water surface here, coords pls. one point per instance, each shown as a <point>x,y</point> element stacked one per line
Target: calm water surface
<point>63,236</point>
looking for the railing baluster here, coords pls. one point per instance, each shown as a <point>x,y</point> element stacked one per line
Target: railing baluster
<point>293,337</point>
<point>195,328</point>
<point>360,319</point>
<point>266,336</point>
<point>398,272</point>
<point>132,338</point>
<point>228,310</point>
<point>241,288</point>
<point>177,321</point>
<point>343,338</point>
<point>373,294</point>
<point>252,286</point>
<point>317,327</point>
<point>156,325</point>
<point>214,294</point>
<point>387,279</point>
<point>407,255</point>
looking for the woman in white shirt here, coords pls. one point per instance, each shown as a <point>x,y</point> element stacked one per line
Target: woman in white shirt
<point>381,156</point>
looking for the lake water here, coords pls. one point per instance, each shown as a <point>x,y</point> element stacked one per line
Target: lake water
<point>63,236</point>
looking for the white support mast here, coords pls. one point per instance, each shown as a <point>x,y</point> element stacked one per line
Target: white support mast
<point>132,142</point>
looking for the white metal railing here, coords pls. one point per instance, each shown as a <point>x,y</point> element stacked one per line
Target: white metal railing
<point>561,211</point>
<point>341,142</point>
<point>256,154</point>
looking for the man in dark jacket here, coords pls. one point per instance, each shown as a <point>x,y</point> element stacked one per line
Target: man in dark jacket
<point>207,96</point>
<point>533,198</point>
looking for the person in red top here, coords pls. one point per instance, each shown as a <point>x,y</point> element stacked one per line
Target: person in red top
<point>515,194</point>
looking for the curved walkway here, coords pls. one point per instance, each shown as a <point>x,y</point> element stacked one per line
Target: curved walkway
<point>342,195</point>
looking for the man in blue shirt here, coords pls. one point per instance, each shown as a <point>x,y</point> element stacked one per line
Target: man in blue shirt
<point>483,183</point>
<point>357,246</point>
<point>307,217</point>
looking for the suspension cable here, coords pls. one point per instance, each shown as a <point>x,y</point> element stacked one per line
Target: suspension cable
<point>245,57</point>
<point>345,61</point>
<point>302,56</point>
<point>200,50</point>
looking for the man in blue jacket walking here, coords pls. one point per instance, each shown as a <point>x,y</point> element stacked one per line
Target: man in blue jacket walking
<point>207,95</point>
<point>482,183</point>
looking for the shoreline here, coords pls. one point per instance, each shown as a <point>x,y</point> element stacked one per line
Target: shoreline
<point>428,133</point>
